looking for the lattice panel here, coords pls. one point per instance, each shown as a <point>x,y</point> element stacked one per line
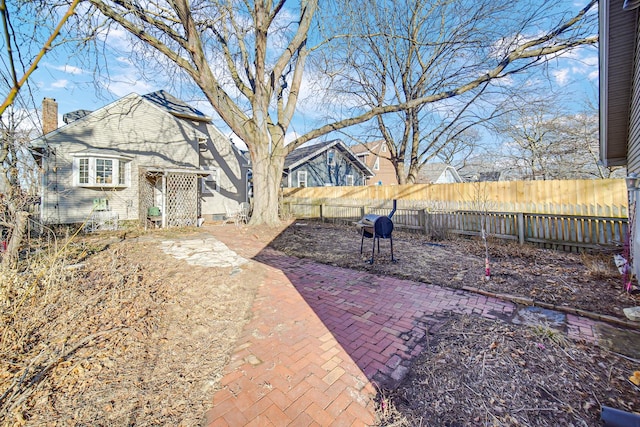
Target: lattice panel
<point>145,191</point>
<point>182,200</point>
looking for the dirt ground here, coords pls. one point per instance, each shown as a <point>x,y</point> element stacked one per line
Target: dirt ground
<point>588,282</point>
<point>132,335</point>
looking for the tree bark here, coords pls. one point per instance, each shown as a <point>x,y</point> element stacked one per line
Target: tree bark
<point>267,166</point>
<point>10,257</point>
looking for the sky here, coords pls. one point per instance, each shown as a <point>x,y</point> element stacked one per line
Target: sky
<point>75,86</point>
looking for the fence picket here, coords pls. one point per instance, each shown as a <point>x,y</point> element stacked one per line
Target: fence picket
<point>564,231</point>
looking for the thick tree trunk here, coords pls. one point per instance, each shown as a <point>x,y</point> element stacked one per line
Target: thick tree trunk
<point>10,257</point>
<point>267,176</point>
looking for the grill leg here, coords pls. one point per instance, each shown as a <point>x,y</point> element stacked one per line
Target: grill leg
<point>362,242</point>
<point>392,258</point>
<point>373,249</point>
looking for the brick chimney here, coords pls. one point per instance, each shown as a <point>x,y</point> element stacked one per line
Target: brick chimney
<point>49,115</point>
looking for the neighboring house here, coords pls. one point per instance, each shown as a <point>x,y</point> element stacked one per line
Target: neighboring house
<point>376,156</point>
<point>325,164</point>
<point>438,173</point>
<point>482,176</point>
<point>620,99</point>
<point>138,158</point>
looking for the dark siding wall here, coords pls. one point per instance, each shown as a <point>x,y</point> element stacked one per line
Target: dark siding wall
<point>320,173</point>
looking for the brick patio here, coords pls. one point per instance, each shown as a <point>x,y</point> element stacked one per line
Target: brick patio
<point>322,338</point>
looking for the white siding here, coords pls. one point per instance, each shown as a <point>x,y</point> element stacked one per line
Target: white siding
<point>233,173</point>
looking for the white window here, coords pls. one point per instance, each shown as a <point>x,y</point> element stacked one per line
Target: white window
<point>331,157</point>
<point>104,171</point>
<point>349,179</point>
<point>302,178</point>
<point>98,171</point>
<point>376,165</point>
<point>211,182</point>
<point>83,170</point>
<point>384,148</point>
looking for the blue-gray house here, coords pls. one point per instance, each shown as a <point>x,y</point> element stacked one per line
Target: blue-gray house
<point>329,163</point>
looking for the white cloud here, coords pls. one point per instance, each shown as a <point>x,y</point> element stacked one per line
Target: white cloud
<point>124,85</point>
<point>60,84</point>
<point>70,69</point>
<point>561,76</point>
<point>290,136</point>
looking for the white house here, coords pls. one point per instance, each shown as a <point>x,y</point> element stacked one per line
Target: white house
<point>138,158</point>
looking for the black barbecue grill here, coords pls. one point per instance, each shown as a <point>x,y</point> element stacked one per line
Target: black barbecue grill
<point>377,227</point>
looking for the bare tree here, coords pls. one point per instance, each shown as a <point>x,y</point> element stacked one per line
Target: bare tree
<point>411,49</point>
<point>542,141</point>
<point>249,59</point>
<point>15,74</point>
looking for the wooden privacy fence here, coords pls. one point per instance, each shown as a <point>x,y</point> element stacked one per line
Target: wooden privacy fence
<point>570,197</point>
<point>557,231</point>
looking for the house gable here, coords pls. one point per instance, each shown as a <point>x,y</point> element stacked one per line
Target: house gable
<point>438,173</point>
<point>376,156</point>
<point>324,164</point>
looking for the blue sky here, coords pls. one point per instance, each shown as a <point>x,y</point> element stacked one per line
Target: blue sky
<point>74,86</point>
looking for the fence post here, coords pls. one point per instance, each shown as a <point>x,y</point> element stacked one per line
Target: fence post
<point>521,236</point>
<point>428,222</point>
<point>422,219</point>
<point>321,212</point>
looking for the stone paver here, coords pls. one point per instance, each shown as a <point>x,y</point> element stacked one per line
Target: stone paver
<point>321,339</point>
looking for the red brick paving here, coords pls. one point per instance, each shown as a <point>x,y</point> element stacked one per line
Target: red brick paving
<point>321,339</point>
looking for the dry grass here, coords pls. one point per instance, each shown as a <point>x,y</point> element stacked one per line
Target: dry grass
<point>111,332</point>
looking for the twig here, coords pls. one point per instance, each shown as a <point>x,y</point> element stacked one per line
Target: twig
<point>536,410</point>
<point>472,390</point>
<point>631,359</point>
<point>36,377</point>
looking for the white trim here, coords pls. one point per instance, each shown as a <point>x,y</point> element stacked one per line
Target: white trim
<point>299,175</point>
<point>93,171</point>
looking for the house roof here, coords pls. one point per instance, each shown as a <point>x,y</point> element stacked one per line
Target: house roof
<point>478,176</point>
<point>618,29</point>
<point>430,172</point>
<point>367,148</point>
<point>175,106</point>
<point>305,153</point>
<point>160,99</point>
<point>75,115</point>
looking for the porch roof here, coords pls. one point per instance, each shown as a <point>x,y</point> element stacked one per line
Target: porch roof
<point>167,171</point>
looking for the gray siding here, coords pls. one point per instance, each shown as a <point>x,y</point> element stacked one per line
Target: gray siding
<point>633,156</point>
<point>616,48</point>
